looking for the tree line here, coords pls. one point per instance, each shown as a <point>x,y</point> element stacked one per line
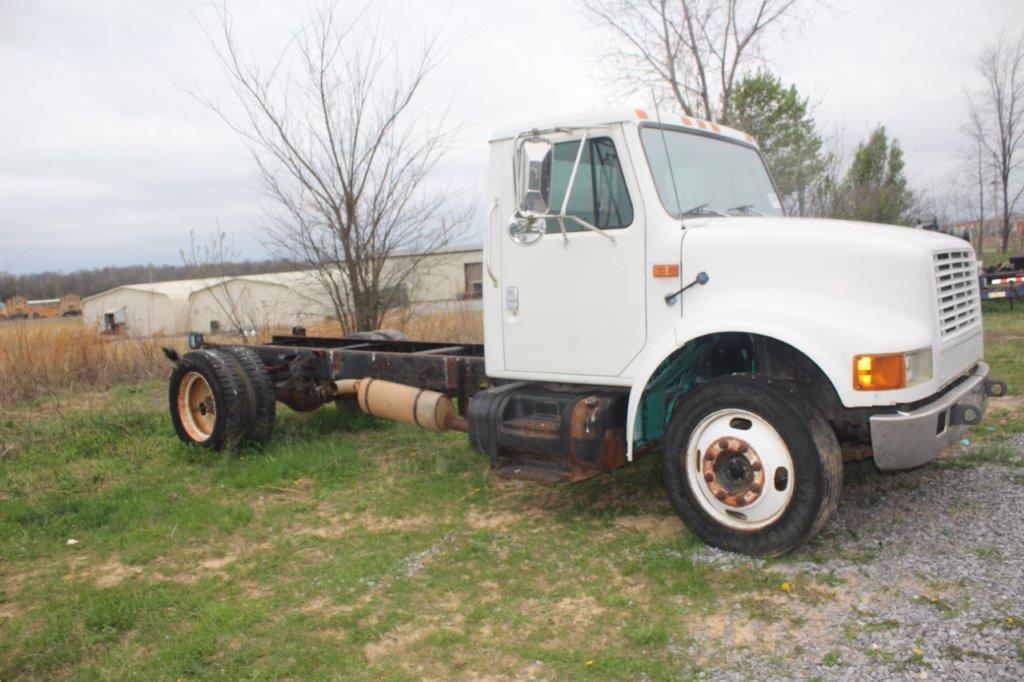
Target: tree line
<point>87,282</point>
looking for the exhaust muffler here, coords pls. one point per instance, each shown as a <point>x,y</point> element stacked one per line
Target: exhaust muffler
<point>401,403</point>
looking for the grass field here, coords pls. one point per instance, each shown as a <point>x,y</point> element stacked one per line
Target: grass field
<point>350,547</point>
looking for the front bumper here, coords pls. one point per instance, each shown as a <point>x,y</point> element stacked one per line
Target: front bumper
<point>910,438</point>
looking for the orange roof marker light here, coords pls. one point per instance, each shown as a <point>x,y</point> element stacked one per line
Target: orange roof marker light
<point>687,121</point>
<point>714,126</point>
<point>641,114</point>
<point>701,124</point>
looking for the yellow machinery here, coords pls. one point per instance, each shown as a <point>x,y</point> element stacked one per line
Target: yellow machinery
<point>18,308</point>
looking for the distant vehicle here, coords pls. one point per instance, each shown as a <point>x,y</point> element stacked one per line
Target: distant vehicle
<point>644,291</point>
<point>18,308</point>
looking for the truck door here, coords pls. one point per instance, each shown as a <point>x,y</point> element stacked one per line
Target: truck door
<point>574,306</point>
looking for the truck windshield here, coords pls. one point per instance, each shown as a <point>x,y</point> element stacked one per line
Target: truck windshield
<point>699,174</point>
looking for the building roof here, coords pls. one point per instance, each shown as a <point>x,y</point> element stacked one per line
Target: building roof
<point>184,288</point>
<point>181,288</point>
<point>292,279</point>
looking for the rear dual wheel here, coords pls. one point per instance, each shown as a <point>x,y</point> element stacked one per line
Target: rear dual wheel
<point>221,398</point>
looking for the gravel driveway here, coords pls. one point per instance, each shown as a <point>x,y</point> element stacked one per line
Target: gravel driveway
<point>918,575</point>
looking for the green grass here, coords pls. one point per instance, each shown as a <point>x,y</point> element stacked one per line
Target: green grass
<point>1004,352</point>
<point>353,548</point>
<point>1004,343</point>
<point>345,548</point>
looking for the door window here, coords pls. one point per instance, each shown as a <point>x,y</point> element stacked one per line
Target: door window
<point>599,195</point>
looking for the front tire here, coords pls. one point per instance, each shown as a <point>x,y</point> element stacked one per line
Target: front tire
<point>751,467</point>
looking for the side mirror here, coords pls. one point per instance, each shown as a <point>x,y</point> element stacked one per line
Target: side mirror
<point>533,175</point>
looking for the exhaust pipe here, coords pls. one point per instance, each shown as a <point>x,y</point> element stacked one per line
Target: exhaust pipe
<point>401,403</point>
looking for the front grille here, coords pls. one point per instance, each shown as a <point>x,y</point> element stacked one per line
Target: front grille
<point>956,289</point>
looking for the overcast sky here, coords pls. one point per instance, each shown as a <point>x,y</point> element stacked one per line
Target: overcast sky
<point>105,159</point>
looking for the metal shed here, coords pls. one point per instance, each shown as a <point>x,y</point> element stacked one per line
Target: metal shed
<point>288,299</point>
<point>142,309</point>
<point>255,301</point>
<point>283,299</point>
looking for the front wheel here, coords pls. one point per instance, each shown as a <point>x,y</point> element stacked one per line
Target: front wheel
<point>751,467</point>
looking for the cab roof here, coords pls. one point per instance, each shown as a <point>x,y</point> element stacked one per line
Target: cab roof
<point>625,115</point>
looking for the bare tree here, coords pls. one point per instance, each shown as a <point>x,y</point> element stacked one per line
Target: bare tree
<point>207,260</point>
<point>974,176</point>
<point>346,154</point>
<point>692,51</point>
<point>997,114</point>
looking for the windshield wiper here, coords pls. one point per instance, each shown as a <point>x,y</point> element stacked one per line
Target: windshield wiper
<point>701,209</point>
<point>747,209</point>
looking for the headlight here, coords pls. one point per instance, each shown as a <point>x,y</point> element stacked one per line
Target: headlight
<point>883,372</point>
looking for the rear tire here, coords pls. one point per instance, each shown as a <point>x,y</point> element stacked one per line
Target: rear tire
<point>750,467</point>
<point>262,397</point>
<point>208,400</point>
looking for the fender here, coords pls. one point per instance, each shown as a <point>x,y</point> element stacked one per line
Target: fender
<point>831,346</point>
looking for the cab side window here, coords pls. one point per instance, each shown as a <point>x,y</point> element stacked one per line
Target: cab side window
<point>599,195</point>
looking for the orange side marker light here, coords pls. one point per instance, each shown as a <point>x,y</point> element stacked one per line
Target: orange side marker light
<point>666,270</point>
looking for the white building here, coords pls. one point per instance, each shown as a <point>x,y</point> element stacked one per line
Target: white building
<point>282,299</point>
<point>143,309</point>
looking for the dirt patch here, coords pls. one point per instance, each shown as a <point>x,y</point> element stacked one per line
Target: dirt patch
<point>9,610</point>
<point>337,524</point>
<point>321,607</point>
<point>396,641</point>
<point>657,528</point>
<point>579,611</point>
<point>376,524</point>
<point>112,573</point>
<point>493,520</point>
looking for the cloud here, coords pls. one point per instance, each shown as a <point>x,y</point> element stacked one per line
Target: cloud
<point>105,158</point>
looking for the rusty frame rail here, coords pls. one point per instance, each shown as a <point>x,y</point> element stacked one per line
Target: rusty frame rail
<point>303,367</point>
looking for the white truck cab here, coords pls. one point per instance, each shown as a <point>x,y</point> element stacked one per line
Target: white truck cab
<point>651,254</point>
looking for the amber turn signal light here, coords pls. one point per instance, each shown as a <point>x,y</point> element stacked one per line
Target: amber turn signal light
<point>666,270</point>
<point>879,372</point>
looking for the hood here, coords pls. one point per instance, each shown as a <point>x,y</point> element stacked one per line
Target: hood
<point>841,229</point>
<point>861,287</point>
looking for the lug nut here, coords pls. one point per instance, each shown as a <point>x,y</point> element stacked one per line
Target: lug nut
<point>709,477</point>
<point>721,495</point>
<point>755,466</point>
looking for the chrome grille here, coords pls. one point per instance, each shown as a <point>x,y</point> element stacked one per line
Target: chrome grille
<point>956,289</point>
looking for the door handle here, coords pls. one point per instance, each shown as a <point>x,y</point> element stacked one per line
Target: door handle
<point>702,279</point>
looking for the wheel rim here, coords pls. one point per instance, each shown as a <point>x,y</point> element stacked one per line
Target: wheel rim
<point>196,406</point>
<point>739,469</point>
